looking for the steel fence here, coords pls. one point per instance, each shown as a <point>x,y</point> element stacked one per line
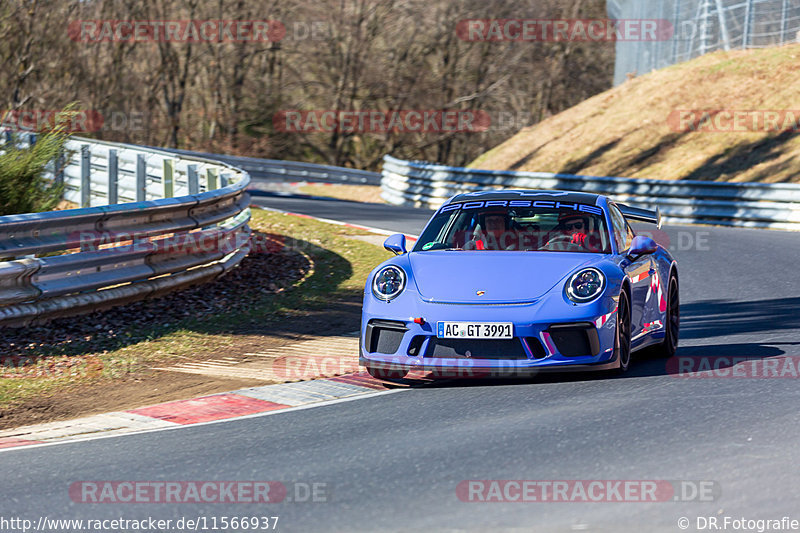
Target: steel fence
<point>701,26</point>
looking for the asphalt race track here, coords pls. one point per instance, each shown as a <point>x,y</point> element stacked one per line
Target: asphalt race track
<point>392,461</point>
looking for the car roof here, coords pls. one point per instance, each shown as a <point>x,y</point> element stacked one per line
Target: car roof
<point>539,194</point>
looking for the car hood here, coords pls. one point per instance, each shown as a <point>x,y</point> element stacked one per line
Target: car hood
<point>504,277</point>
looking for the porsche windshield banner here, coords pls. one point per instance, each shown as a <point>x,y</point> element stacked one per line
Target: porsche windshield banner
<point>538,204</point>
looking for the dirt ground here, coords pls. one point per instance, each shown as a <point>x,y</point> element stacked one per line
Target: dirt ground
<point>69,368</point>
<point>136,391</point>
<point>148,386</point>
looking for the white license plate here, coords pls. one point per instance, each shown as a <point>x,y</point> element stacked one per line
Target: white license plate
<point>474,330</point>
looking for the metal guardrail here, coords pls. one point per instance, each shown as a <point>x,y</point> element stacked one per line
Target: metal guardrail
<point>756,205</point>
<point>273,169</point>
<point>150,222</point>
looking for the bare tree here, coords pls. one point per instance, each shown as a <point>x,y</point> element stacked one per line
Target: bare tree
<point>362,55</point>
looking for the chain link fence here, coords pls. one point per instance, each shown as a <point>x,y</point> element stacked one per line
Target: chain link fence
<point>701,26</point>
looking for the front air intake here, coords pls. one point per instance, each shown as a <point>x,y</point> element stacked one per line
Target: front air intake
<point>384,336</point>
<point>475,349</point>
<point>536,348</point>
<point>575,340</point>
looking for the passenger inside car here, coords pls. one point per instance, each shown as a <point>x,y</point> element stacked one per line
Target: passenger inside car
<point>492,232</point>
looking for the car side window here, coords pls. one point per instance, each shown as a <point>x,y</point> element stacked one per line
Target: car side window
<point>621,229</point>
<point>630,234</point>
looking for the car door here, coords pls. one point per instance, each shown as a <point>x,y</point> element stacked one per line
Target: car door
<point>639,270</point>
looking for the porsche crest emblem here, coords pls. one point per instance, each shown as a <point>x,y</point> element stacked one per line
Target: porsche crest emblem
<point>480,293</point>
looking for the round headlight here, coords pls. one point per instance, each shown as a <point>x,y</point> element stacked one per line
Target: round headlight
<point>585,285</point>
<point>388,283</point>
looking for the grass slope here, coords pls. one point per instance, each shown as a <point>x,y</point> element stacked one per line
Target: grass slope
<point>625,132</point>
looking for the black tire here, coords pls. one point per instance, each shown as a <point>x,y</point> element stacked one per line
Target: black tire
<point>622,341</point>
<point>387,373</point>
<point>672,325</point>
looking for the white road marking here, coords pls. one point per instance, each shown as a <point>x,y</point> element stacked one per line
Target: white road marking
<point>184,426</point>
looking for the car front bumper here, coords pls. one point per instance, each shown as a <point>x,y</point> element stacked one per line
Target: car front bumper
<point>549,336</point>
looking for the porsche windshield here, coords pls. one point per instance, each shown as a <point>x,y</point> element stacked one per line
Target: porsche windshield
<point>580,228</point>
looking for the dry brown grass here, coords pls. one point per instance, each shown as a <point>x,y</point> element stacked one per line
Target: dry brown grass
<point>65,204</point>
<point>624,131</point>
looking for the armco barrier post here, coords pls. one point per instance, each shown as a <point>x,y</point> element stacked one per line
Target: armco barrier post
<point>58,168</point>
<point>86,184</point>
<point>167,178</point>
<point>113,173</point>
<point>141,178</point>
<point>194,183</point>
<point>211,179</point>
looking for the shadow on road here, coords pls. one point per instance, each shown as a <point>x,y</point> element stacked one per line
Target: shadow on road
<point>708,358</point>
<point>700,320</point>
<point>712,318</point>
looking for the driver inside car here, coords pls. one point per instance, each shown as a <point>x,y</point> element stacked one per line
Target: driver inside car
<point>572,228</point>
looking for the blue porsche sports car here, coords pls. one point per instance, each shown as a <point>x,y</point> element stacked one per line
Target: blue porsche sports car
<point>516,282</point>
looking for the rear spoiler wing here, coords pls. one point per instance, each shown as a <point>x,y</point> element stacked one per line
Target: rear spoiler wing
<point>641,215</point>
